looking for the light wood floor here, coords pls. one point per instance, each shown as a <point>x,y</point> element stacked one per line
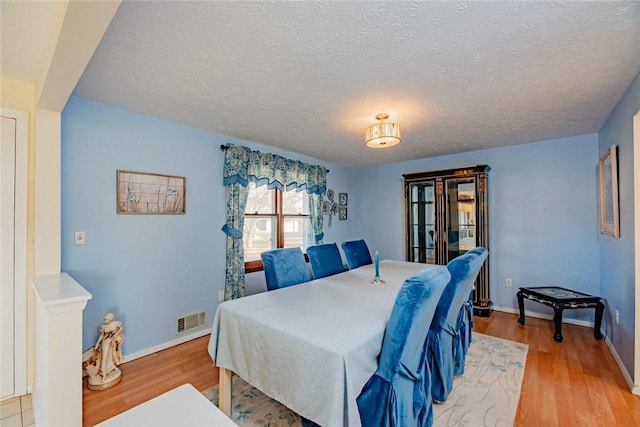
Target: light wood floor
<point>573,383</point>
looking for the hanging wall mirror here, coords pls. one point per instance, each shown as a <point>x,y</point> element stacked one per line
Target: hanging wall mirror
<point>608,171</point>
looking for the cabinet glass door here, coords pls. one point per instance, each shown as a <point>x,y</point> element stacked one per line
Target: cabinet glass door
<point>461,216</point>
<point>446,216</point>
<point>422,219</point>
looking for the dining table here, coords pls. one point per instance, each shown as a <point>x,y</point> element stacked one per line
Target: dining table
<point>313,346</point>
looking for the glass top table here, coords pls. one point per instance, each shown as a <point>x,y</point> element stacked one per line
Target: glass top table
<point>560,299</point>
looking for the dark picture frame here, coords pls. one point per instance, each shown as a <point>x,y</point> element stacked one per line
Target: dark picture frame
<point>342,213</point>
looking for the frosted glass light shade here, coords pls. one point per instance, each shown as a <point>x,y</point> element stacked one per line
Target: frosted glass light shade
<point>382,135</point>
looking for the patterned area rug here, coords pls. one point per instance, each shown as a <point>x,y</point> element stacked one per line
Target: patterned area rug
<point>486,395</point>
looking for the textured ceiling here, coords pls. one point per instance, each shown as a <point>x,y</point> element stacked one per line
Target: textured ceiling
<point>309,77</point>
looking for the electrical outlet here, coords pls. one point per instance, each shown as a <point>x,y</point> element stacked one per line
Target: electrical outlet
<point>508,282</point>
<point>80,238</point>
<point>617,317</point>
<point>220,295</point>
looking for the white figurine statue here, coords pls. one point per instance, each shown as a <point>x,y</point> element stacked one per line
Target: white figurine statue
<point>101,361</point>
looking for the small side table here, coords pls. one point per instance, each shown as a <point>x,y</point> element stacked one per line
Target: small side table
<point>560,299</point>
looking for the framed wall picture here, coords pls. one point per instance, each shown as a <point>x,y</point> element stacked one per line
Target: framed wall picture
<point>609,208</point>
<point>342,199</point>
<point>144,193</point>
<point>342,213</point>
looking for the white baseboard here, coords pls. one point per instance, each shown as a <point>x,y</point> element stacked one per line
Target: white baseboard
<point>623,370</point>
<point>635,389</point>
<point>166,345</point>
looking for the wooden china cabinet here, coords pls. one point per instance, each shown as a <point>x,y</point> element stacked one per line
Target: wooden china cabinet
<point>446,215</point>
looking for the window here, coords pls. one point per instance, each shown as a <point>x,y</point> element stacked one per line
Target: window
<point>274,219</point>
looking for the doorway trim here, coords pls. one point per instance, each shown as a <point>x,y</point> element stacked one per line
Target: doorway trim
<point>636,222</point>
<point>20,247</point>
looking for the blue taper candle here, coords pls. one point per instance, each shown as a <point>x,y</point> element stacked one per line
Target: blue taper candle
<point>377,262</point>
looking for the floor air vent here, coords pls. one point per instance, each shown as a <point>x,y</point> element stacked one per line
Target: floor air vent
<point>191,321</point>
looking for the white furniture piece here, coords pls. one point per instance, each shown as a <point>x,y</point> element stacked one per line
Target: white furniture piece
<point>313,346</point>
<point>57,390</point>
<point>182,406</point>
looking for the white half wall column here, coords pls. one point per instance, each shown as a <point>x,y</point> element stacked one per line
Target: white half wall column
<point>57,391</point>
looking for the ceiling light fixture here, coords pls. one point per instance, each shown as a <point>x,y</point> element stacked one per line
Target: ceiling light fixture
<point>382,135</point>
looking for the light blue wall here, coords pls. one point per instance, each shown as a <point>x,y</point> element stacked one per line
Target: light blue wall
<point>617,256</point>
<point>542,214</point>
<point>148,269</point>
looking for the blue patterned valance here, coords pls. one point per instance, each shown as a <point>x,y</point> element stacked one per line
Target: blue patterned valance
<point>242,165</point>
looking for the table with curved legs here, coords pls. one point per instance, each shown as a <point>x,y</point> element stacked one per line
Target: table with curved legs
<point>560,299</point>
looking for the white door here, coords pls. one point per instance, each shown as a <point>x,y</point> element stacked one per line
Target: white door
<point>13,254</point>
<point>7,255</point>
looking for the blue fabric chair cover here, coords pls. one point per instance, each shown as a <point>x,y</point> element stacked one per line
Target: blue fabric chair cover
<point>325,260</point>
<point>440,340</point>
<point>397,394</point>
<point>357,253</point>
<point>463,337</point>
<point>284,267</point>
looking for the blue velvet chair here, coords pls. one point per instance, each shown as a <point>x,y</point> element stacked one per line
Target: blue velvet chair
<point>440,343</point>
<point>325,260</point>
<point>357,253</point>
<point>395,393</point>
<point>463,337</point>
<point>464,328</point>
<point>284,267</point>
